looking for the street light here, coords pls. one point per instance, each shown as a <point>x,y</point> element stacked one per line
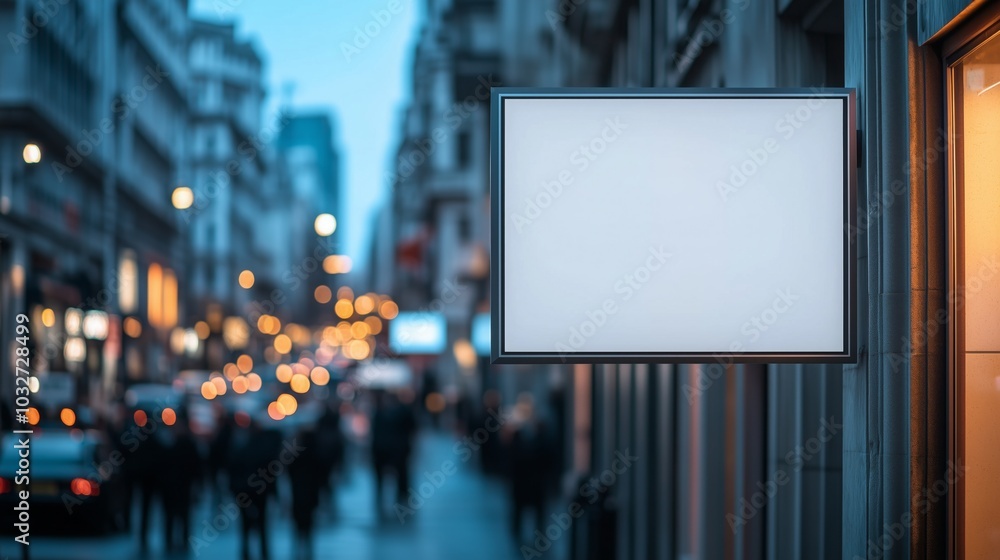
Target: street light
<point>325,225</point>
<point>31,154</point>
<point>182,198</point>
<point>246,279</point>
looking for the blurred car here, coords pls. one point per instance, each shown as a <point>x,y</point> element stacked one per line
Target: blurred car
<point>73,479</point>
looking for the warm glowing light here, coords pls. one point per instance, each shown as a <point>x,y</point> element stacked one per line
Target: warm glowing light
<point>345,292</point>
<point>202,329</point>
<point>48,317</point>
<point>322,294</point>
<point>388,310</point>
<point>128,282</point>
<point>177,341</point>
<point>168,416</point>
<point>75,350</point>
<point>230,370</point>
<point>325,354</point>
<point>358,349</point>
<point>254,382</point>
<point>169,298</point>
<point>33,416</point>
<point>132,327</point>
<point>139,417</point>
<point>364,304</point>
<point>220,385</point>
<point>31,153</point>
<point>337,264</point>
<point>282,343</point>
<point>325,225</point>
<point>246,279</point>
<point>67,416</point>
<point>240,385</point>
<point>182,198</point>
<point>84,487</point>
<point>344,328</point>
<point>344,309</point>
<point>236,332</point>
<point>434,402</point>
<point>73,321</point>
<point>299,383</point>
<point>374,324</point>
<point>244,363</point>
<point>154,295</point>
<point>465,354</point>
<point>268,324</point>
<point>360,329</point>
<point>287,404</point>
<point>95,325</point>
<point>283,373</point>
<point>319,376</point>
<point>208,390</point>
<point>191,341</point>
<point>273,412</point>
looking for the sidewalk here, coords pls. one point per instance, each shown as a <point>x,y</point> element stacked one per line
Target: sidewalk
<point>466,517</point>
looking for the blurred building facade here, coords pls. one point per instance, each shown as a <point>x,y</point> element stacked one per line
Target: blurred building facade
<point>107,107</point>
<point>95,112</point>
<point>311,165</point>
<point>744,461</point>
<point>439,184</point>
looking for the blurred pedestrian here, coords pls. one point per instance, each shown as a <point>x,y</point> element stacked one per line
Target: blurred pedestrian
<point>491,455</point>
<point>183,465</point>
<point>218,452</point>
<point>330,442</point>
<point>393,428</point>
<point>145,468</point>
<point>529,473</point>
<point>251,453</point>
<point>306,474</point>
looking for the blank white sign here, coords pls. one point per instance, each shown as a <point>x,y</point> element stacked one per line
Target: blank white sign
<point>672,226</point>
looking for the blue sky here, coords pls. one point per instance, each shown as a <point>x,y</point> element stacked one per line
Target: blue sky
<point>304,43</point>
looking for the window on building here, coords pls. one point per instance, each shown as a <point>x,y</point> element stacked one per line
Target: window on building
<point>974,91</point>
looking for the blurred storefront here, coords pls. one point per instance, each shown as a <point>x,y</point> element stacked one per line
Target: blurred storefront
<point>887,458</point>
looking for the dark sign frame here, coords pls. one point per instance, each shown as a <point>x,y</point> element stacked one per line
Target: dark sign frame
<point>848,354</point>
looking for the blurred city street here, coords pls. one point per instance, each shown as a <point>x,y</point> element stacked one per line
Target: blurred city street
<point>465,518</point>
<point>499,279</point>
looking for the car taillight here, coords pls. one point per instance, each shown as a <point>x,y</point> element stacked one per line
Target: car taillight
<point>5,486</point>
<point>84,487</point>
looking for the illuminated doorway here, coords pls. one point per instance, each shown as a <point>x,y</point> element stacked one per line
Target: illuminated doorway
<point>974,298</point>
